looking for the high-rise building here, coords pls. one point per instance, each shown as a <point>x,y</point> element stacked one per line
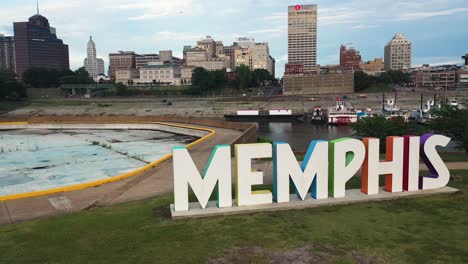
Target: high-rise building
<point>302,74</point>
<point>302,36</point>
<point>398,53</point>
<point>350,58</point>
<point>7,53</point>
<point>245,51</point>
<point>93,65</point>
<point>466,59</point>
<point>37,45</point>
<point>208,54</point>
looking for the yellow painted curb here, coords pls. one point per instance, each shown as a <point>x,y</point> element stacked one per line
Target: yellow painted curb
<point>112,179</point>
<point>13,123</point>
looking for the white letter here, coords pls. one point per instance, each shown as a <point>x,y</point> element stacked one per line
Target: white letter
<point>245,178</point>
<point>439,173</point>
<point>186,173</point>
<point>373,168</point>
<point>312,172</point>
<point>411,163</point>
<point>345,158</point>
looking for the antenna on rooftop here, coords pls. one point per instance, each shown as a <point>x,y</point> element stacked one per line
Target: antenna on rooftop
<point>37,6</point>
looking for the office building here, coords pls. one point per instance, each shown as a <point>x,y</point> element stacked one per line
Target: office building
<point>208,54</point>
<point>302,36</point>
<point>37,45</point>
<point>435,78</point>
<point>122,60</point>
<point>7,53</point>
<point>245,51</point>
<point>350,58</point>
<point>398,53</point>
<point>93,65</point>
<point>164,56</point>
<point>165,74</point>
<point>309,84</point>
<point>374,67</point>
<point>302,74</point>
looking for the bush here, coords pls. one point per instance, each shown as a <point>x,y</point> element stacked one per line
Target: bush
<point>452,122</point>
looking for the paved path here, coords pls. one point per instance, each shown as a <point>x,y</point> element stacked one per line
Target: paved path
<point>154,182</point>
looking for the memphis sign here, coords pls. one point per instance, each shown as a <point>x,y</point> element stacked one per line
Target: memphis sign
<point>323,174</point>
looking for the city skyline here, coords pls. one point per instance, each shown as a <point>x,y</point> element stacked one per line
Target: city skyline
<point>122,25</point>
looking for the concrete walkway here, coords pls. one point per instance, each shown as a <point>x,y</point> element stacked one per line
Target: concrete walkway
<point>154,182</point>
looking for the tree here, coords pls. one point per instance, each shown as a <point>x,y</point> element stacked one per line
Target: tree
<point>363,81</point>
<point>10,88</point>
<point>452,122</point>
<point>260,76</point>
<point>121,89</point>
<point>381,128</point>
<point>45,78</point>
<point>244,77</point>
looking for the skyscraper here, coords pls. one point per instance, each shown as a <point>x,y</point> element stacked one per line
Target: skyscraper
<point>302,36</point>
<point>37,45</point>
<point>7,53</point>
<point>93,65</point>
<point>398,53</point>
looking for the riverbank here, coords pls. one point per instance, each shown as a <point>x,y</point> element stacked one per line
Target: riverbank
<point>207,107</point>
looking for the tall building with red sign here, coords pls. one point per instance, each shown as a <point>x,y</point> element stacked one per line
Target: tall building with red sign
<point>302,36</point>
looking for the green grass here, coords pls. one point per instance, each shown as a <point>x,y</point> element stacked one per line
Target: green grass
<point>454,156</point>
<point>378,88</point>
<point>419,230</point>
<point>7,106</point>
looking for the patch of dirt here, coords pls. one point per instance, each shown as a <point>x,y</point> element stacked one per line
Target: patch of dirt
<point>162,212</point>
<point>305,254</point>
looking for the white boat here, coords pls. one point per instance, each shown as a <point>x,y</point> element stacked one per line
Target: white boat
<point>342,114</point>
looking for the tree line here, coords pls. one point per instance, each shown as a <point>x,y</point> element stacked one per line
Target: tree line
<point>243,78</point>
<point>447,120</point>
<point>42,77</point>
<point>10,88</point>
<point>363,81</point>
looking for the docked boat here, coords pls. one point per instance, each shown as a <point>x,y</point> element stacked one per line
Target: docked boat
<point>342,114</point>
<point>272,115</point>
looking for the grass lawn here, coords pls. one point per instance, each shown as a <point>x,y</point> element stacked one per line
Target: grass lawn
<point>7,106</point>
<point>419,230</point>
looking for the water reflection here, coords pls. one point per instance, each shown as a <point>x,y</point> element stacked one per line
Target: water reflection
<point>299,134</point>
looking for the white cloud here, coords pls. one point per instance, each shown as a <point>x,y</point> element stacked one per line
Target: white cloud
<point>434,61</point>
<point>269,30</point>
<point>363,26</point>
<point>178,36</point>
<point>423,15</point>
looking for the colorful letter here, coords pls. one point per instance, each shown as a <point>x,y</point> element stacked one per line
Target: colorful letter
<point>373,167</point>
<point>345,158</point>
<point>245,177</point>
<point>411,163</point>
<point>312,172</point>
<point>186,173</point>
<point>439,174</point>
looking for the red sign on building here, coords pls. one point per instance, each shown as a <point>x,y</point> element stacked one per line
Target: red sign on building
<point>294,69</point>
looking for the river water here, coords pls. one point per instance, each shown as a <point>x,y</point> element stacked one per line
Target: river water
<point>300,134</point>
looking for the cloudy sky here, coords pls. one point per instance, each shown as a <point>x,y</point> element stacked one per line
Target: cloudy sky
<point>437,28</point>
